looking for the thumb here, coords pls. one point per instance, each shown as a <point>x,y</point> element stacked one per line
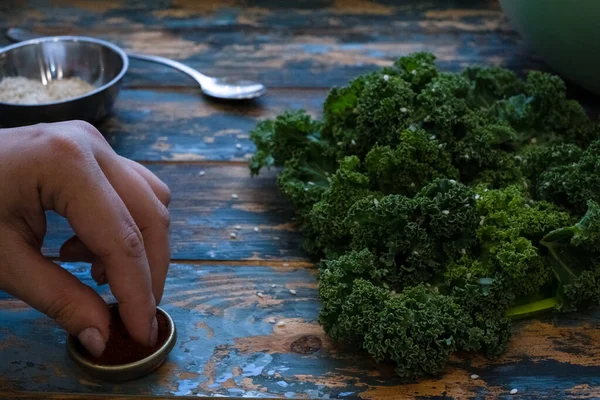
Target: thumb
<point>26,274</point>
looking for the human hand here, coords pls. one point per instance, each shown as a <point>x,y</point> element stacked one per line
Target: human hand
<point>118,210</point>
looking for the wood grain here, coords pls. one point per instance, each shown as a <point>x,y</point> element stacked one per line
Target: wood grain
<point>204,213</point>
<point>182,125</point>
<point>227,346</point>
<point>312,44</point>
<point>309,60</point>
<point>87,396</point>
<point>457,15</point>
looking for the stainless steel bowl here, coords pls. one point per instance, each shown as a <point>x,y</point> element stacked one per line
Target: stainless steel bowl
<point>97,62</point>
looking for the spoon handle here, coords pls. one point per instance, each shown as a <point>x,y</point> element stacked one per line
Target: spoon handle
<point>20,35</point>
<point>202,79</point>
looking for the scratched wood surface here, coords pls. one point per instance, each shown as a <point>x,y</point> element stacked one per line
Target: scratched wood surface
<point>227,345</point>
<point>313,43</point>
<point>204,213</point>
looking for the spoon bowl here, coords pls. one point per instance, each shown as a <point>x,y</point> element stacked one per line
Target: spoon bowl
<point>234,89</point>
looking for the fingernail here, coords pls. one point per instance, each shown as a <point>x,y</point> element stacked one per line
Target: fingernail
<point>93,341</point>
<point>153,333</point>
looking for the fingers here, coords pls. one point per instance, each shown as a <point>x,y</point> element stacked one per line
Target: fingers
<point>103,223</point>
<point>160,189</point>
<point>74,250</point>
<point>149,213</point>
<point>26,274</point>
<point>114,208</point>
<point>118,212</point>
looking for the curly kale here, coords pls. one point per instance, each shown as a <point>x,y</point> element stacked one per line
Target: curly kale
<point>441,206</point>
<point>324,226</point>
<point>291,134</point>
<point>398,327</point>
<point>418,329</point>
<point>575,254</point>
<point>536,160</point>
<point>338,278</point>
<point>553,115</point>
<point>572,185</point>
<point>488,85</point>
<point>510,229</point>
<point>417,70</point>
<point>407,168</point>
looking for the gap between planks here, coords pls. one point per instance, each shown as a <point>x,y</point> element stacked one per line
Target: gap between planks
<point>194,89</point>
<point>78,396</point>
<point>277,264</point>
<point>215,163</point>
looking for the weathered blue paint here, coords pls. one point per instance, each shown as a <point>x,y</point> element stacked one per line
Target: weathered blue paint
<point>203,214</point>
<point>289,47</point>
<point>214,308</point>
<point>32,355</point>
<point>154,125</point>
<point>227,347</point>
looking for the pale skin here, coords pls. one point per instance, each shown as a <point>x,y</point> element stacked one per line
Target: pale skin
<point>118,211</point>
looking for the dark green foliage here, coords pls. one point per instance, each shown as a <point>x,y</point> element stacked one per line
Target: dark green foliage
<point>536,160</point>
<point>447,209</point>
<point>490,84</point>
<point>291,134</point>
<point>444,205</point>
<point>340,278</point>
<point>418,330</point>
<point>405,169</point>
<point>552,113</point>
<point>417,70</point>
<point>575,251</point>
<point>572,185</point>
<point>442,103</point>
<point>325,228</point>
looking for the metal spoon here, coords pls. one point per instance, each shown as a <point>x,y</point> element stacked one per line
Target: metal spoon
<point>221,88</point>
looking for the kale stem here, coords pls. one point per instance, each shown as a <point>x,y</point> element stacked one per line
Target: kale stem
<point>536,307</point>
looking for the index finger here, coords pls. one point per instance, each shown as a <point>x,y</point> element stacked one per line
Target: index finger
<point>101,220</point>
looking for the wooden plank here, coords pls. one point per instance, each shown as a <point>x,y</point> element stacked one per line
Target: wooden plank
<point>314,44</point>
<point>309,60</point>
<point>228,347</point>
<point>218,15</point>
<point>182,125</point>
<point>87,396</point>
<point>203,214</point>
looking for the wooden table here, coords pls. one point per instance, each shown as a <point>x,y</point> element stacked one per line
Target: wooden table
<point>227,347</point>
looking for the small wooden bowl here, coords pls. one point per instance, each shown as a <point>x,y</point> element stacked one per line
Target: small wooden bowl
<point>125,372</point>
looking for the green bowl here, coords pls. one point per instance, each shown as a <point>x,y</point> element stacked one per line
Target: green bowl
<point>564,33</point>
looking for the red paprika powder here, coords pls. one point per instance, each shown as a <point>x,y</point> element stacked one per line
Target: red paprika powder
<point>121,348</point>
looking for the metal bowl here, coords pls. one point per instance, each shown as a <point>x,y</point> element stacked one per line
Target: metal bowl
<point>564,33</point>
<point>100,63</point>
<point>125,372</point>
